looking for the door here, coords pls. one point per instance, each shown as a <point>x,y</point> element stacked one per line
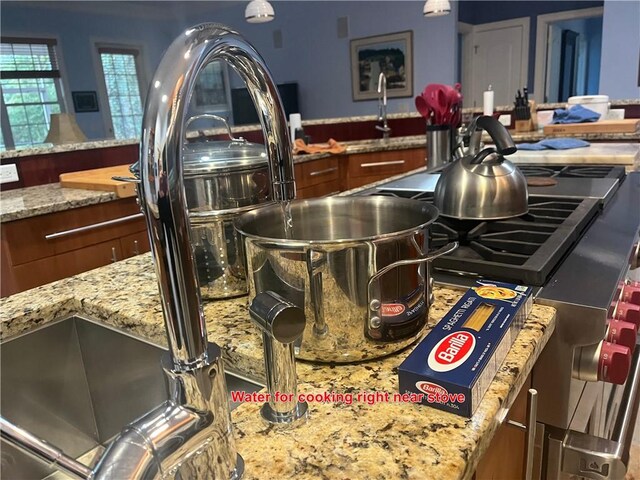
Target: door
<point>499,57</point>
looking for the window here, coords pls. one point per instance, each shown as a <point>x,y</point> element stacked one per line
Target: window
<point>31,90</point>
<point>122,83</point>
<point>210,92</point>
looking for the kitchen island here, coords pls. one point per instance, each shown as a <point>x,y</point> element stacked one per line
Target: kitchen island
<point>383,440</point>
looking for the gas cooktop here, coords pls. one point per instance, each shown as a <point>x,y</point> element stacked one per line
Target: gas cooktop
<point>572,171</point>
<point>523,249</point>
<point>600,183</point>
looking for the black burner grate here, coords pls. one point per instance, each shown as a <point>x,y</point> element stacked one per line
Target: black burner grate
<point>572,171</point>
<point>523,249</point>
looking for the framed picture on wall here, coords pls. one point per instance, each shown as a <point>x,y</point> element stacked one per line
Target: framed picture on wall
<point>85,101</point>
<point>391,54</point>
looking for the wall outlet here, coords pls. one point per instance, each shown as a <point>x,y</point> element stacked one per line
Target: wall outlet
<point>8,173</point>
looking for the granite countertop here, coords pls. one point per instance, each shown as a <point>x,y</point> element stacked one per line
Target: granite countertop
<point>384,440</point>
<point>50,148</point>
<point>31,201</point>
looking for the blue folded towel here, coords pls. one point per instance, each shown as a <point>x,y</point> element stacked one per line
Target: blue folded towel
<point>576,114</point>
<point>564,143</point>
<point>554,144</point>
<point>531,146</point>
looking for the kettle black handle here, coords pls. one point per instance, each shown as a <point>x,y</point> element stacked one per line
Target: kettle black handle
<point>484,154</point>
<point>499,134</point>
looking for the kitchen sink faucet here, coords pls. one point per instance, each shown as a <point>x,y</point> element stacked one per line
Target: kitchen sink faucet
<point>383,126</point>
<point>190,435</point>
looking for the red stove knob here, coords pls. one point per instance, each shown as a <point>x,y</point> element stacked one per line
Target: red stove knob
<point>614,363</point>
<point>631,294</point>
<point>622,333</point>
<point>628,312</point>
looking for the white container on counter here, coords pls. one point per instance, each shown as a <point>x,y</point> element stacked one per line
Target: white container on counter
<point>597,103</point>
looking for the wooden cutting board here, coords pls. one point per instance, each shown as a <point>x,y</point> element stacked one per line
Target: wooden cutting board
<point>629,125</point>
<point>100,179</point>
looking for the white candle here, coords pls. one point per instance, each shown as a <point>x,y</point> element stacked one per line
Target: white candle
<point>295,122</point>
<point>487,102</point>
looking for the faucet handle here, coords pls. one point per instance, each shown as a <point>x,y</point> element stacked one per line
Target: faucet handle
<point>282,324</point>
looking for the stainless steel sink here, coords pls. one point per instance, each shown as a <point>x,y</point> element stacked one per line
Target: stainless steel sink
<point>75,383</point>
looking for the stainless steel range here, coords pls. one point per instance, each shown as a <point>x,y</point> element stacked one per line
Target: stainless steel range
<point>579,246</point>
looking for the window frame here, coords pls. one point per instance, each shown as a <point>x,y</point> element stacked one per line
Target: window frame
<point>141,72</point>
<point>61,83</point>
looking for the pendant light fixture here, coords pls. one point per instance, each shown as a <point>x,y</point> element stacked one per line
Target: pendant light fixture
<point>436,8</point>
<point>259,11</point>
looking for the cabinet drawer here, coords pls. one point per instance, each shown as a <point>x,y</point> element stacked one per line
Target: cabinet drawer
<point>385,164</point>
<point>505,457</point>
<point>315,172</point>
<point>46,270</point>
<point>134,244</point>
<point>52,234</point>
<point>319,190</point>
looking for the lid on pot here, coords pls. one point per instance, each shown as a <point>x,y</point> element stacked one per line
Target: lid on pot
<point>215,156</point>
<point>218,155</point>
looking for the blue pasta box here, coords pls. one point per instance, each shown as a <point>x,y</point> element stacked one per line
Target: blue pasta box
<point>453,366</point>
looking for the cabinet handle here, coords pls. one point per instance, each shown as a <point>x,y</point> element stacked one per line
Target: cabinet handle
<point>93,226</point>
<point>114,257</point>
<point>530,428</point>
<point>321,172</point>
<point>382,164</point>
<point>136,251</point>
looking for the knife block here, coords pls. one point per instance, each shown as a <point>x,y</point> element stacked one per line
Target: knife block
<point>531,124</point>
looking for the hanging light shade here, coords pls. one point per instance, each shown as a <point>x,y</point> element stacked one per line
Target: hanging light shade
<point>435,8</point>
<point>259,11</point>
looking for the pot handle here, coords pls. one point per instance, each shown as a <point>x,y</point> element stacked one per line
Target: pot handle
<point>315,292</point>
<point>374,303</point>
<point>211,116</point>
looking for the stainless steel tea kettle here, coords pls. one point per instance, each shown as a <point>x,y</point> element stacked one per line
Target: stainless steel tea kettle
<point>484,185</point>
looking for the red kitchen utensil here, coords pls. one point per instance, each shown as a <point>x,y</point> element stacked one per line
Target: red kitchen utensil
<point>422,106</point>
<point>436,99</point>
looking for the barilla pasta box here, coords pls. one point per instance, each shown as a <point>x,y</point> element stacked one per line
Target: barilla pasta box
<point>453,366</point>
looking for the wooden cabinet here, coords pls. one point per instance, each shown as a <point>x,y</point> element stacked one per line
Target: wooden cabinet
<point>50,247</point>
<point>317,178</point>
<point>365,168</point>
<point>326,176</point>
<point>506,456</point>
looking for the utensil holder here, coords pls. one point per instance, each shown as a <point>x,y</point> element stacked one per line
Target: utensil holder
<point>439,145</point>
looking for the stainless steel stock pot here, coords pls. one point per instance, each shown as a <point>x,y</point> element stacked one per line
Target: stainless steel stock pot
<point>222,179</point>
<point>356,265</point>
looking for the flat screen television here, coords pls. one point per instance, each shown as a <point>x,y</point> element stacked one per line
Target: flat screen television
<point>244,112</point>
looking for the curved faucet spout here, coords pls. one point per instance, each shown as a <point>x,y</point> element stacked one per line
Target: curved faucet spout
<point>162,189</point>
<point>382,106</point>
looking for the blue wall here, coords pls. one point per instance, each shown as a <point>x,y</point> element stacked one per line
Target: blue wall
<point>620,64</point>
<point>319,61</point>
<point>75,32</point>
<point>312,55</point>
<point>478,12</point>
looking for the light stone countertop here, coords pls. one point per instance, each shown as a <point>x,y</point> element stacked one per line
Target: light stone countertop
<point>31,201</point>
<point>93,144</point>
<point>358,441</point>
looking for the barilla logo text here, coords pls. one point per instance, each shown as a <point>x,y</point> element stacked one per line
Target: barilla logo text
<point>438,394</point>
<point>451,351</point>
<point>392,309</point>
